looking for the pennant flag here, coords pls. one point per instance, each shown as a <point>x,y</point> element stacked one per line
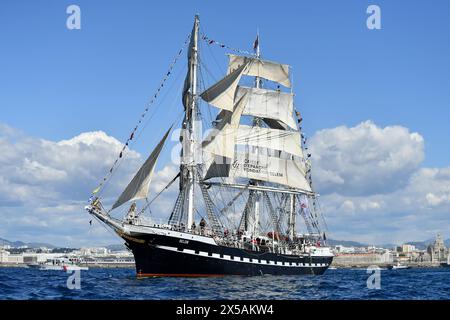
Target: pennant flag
<point>96,190</point>
<point>303,202</point>
<point>256,44</point>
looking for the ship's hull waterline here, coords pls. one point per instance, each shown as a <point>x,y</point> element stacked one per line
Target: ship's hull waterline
<point>166,256</point>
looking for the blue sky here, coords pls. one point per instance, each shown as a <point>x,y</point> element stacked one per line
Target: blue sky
<point>57,83</point>
<point>66,82</point>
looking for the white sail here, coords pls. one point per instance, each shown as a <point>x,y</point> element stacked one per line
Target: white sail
<point>287,141</point>
<point>264,168</point>
<point>139,185</point>
<point>270,169</point>
<point>269,104</point>
<point>222,139</point>
<point>221,94</point>
<point>269,70</point>
<point>221,159</point>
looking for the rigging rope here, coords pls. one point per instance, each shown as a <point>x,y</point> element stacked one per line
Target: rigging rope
<point>147,205</point>
<point>133,132</point>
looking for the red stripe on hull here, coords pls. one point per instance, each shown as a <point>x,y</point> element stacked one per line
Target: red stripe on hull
<point>147,275</point>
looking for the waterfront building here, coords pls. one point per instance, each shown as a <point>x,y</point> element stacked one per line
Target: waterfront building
<point>438,251</point>
<point>363,259</point>
<point>8,258</point>
<point>408,248</point>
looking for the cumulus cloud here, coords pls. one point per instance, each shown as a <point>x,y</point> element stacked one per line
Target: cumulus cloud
<point>418,211</point>
<point>365,159</point>
<point>66,170</point>
<point>372,186</point>
<point>44,185</point>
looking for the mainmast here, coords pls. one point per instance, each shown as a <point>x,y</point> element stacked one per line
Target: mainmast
<point>291,221</point>
<point>286,167</point>
<point>257,121</point>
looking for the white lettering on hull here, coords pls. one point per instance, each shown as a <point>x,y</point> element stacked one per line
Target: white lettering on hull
<point>245,260</point>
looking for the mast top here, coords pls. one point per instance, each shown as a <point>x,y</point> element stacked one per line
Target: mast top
<point>256,45</point>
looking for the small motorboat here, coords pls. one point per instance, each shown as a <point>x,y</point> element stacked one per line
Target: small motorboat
<point>398,267</point>
<point>63,264</point>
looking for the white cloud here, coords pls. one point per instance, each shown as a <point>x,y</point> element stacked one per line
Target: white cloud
<point>365,159</point>
<point>418,211</point>
<point>373,188</point>
<point>347,207</point>
<point>65,170</point>
<point>434,200</point>
<point>370,179</point>
<point>44,185</point>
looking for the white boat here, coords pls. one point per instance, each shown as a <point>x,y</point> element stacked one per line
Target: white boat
<point>399,267</point>
<point>62,264</point>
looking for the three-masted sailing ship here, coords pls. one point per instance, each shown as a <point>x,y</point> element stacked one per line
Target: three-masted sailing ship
<point>255,154</point>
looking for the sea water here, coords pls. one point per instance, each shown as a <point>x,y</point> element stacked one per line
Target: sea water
<point>122,284</point>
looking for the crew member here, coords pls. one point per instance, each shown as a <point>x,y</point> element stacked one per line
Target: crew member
<point>202,225</point>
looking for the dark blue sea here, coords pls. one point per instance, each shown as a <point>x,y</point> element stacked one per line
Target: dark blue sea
<point>121,284</point>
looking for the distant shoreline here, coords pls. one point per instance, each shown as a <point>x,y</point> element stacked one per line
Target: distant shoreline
<point>132,266</point>
<point>93,266</point>
<point>423,265</point>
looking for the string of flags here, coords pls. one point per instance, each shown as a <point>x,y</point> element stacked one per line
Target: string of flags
<point>133,132</point>
<point>220,44</point>
<point>309,177</point>
<point>304,140</point>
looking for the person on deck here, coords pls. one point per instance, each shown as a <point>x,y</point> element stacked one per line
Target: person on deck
<point>131,212</point>
<point>202,225</point>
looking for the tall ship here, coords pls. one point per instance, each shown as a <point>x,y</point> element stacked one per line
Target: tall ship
<point>245,203</point>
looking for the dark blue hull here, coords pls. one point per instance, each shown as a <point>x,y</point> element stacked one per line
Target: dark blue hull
<point>157,255</point>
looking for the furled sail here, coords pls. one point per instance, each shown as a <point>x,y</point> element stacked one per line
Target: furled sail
<point>186,95</point>
<point>139,185</point>
<point>275,124</point>
<point>269,70</point>
<point>221,94</point>
<point>269,104</point>
<point>286,141</point>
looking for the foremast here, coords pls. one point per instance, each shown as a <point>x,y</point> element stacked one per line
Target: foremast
<point>190,167</point>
